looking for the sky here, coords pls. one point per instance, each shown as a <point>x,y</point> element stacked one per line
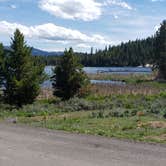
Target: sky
<point>54,25</point>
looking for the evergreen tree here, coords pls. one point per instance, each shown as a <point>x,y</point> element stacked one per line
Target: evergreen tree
<point>160,50</point>
<point>1,64</point>
<point>68,77</point>
<point>22,75</point>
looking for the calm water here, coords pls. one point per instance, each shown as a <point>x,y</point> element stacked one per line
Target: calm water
<point>109,70</point>
<point>115,70</point>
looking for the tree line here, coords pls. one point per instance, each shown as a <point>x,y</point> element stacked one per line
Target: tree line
<point>132,53</point>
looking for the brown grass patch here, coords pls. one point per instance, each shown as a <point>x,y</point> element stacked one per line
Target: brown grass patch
<point>108,89</point>
<point>45,93</point>
<point>158,138</point>
<point>120,77</point>
<point>157,124</point>
<point>152,124</point>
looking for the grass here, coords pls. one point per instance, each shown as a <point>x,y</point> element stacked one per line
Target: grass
<point>120,116</point>
<point>119,127</point>
<point>146,79</point>
<point>136,111</point>
<point>135,84</point>
<point>128,78</point>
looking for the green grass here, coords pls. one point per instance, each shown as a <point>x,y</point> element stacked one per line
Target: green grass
<point>121,105</point>
<point>113,115</point>
<point>118,127</point>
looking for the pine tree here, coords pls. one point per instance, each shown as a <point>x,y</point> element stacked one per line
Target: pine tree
<point>22,74</point>
<point>68,77</point>
<point>160,50</point>
<point>1,64</point>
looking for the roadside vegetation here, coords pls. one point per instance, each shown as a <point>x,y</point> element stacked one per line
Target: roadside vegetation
<point>138,117</point>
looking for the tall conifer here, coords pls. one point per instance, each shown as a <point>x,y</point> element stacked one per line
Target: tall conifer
<point>22,75</point>
<point>69,76</point>
<point>160,50</point>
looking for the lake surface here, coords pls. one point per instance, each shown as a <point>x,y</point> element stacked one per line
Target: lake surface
<point>110,70</point>
<point>108,82</point>
<point>106,70</point>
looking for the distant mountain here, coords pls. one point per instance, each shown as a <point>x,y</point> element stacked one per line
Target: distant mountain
<point>38,52</point>
<point>45,53</point>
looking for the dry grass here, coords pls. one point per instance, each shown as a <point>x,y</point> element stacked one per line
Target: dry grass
<point>120,77</point>
<point>159,138</point>
<point>135,84</point>
<point>107,89</point>
<point>45,93</point>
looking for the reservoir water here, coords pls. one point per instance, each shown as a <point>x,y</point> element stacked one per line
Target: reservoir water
<point>110,70</point>
<point>106,70</point>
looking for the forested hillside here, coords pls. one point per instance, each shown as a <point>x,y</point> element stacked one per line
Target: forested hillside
<point>132,53</point>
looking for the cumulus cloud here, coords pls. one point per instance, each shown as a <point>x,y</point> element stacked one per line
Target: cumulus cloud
<point>157,27</point>
<point>83,46</point>
<point>157,0</point>
<point>13,6</point>
<point>53,33</point>
<point>86,10</point>
<point>120,3</point>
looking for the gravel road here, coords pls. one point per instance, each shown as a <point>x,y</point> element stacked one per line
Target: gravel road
<point>26,146</point>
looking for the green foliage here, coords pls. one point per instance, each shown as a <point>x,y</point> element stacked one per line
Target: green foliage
<point>160,50</point>
<point>113,116</point>
<point>68,77</point>
<point>132,53</point>
<point>1,64</point>
<point>30,110</point>
<point>22,75</point>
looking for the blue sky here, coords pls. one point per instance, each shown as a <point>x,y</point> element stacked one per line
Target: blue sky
<point>54,25</point>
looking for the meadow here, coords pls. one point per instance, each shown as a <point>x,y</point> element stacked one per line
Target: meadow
<point>135,111</point>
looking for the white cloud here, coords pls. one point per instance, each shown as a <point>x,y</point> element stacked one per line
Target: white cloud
<point>157,27</point>
<point>157,0</point>
<point>86,10</point>
<point>13,6</point>
<point>120,3</point>
<point>53,33</point>
<point>116,16</point>
<point>83,46</point>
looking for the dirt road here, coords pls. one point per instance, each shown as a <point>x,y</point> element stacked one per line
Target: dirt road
<point>25,146</point>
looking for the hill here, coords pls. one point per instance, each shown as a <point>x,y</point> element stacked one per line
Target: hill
<point>38,52</point>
